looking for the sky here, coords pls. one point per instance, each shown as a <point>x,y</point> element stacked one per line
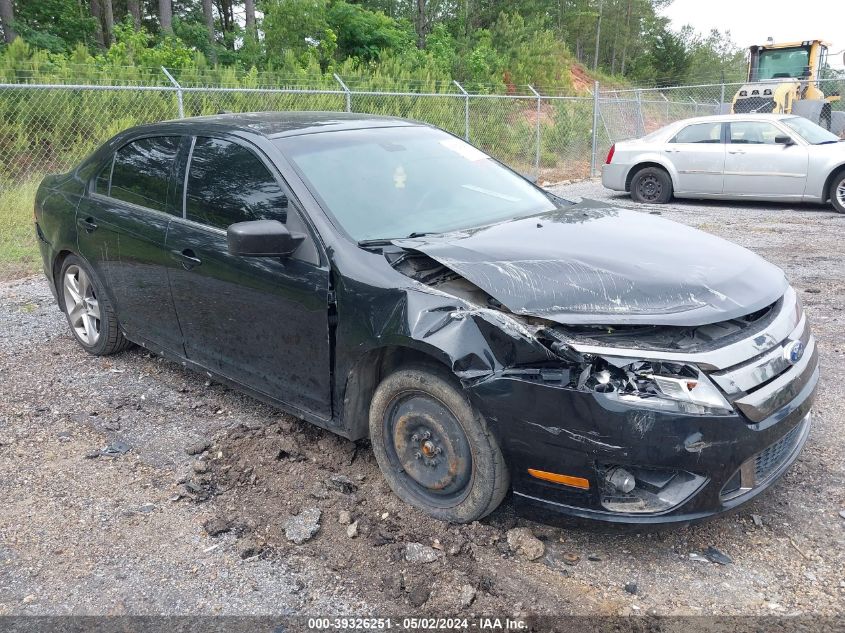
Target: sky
<point>753,21</point>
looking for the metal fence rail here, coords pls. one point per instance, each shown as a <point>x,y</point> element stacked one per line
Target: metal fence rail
<point>48,128</point>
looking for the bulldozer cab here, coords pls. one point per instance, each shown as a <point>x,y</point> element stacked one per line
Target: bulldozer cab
<point>787,78</point>
<point>798,60</point>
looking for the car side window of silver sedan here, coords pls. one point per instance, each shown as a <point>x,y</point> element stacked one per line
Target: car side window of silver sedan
<point>754,133</point>
<point>699,133</point>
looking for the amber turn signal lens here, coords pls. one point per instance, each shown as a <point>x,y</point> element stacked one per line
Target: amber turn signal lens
<point>566,480</point>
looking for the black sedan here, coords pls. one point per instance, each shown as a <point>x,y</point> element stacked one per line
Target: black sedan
<point>383,279</point>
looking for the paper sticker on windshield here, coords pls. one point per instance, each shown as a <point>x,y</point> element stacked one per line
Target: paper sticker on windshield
<point>464,149</point>
<point>399,177</point>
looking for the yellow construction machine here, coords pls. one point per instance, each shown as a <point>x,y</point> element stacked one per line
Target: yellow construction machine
<point>785,79</point>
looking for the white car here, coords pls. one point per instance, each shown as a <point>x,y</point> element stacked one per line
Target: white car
<point>774,157</point>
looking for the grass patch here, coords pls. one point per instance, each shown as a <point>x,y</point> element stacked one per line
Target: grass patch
<point>19,255</point>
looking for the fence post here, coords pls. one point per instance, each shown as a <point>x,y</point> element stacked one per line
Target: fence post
<point>539,110</point>
<point>640,119</point>
<point>595,145</point>
<point>346,90</point>
<point>178,92</point>
<point>696,105</point>
<point>466,109</point>
<point>721,100</point>
<point>667,106</point>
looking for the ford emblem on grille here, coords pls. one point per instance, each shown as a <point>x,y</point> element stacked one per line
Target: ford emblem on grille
<point>793,351</point>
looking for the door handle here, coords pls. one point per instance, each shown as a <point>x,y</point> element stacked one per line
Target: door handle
<point>187,258</point>
<point>86,225</point>
<point>736,151</point>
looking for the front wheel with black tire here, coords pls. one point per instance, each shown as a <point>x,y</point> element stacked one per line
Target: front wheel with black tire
<point>434,449</point>
<point>89,312</point>
<point>651,185</point>
<point>837,192</point>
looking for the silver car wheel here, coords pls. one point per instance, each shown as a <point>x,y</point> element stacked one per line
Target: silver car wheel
<point>649,188</point>
<point>840,193</point>
<point>81,305</point>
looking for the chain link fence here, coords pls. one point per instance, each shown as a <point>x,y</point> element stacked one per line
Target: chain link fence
<point>549,138</point>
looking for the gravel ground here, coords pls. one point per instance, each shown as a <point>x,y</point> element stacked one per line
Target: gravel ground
<point>107,513</point>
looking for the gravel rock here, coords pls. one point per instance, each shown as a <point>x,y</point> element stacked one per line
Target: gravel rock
<point>303,526</point>
<point>345,517</point>
<point>198,447</point>
<point>467,595</point>
<point>757,520</point>
<point>631,587</point>
<point>200,466</point>
<point>352,530</point>
<point>115,448</point>
<point>342,483</point>
<point>523,542</point>
<point>419,590</point>
<point>319,491</point>
<point>250,547</point>
<point>718,556</point>
<point>217,525</point>
<point>419,553</point>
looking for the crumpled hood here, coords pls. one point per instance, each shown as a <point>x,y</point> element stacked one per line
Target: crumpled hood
<point>595,264</point>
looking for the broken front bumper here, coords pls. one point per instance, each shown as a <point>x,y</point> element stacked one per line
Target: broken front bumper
<point>583,437</point>
<point>687,466</point>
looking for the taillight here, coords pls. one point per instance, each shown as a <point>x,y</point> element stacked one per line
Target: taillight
<point>610,154</point>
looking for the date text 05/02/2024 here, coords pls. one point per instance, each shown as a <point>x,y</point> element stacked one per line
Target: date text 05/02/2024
<point>418,624</point>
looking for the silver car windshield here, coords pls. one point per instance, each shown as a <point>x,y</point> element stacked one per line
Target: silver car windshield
<point>393,182</point>
<point>809,131</point>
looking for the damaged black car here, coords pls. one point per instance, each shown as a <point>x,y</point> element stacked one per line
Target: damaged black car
<point>383,279</point>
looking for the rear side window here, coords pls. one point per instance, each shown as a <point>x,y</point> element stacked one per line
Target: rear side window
<point>141,171</point>
<point>227,183</point>
<point>700,133</point>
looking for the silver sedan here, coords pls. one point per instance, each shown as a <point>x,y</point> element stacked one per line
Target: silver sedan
<point>738,157</point>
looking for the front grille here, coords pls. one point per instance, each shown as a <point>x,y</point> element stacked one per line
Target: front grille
<point>768,461</point>
<point>770,380</point>
<point>754,104</point>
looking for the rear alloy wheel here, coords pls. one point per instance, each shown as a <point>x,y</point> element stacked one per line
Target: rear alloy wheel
<point>837,193</point>
<point>89,312</point>
<point>651,185</point>
<point>434,449</point>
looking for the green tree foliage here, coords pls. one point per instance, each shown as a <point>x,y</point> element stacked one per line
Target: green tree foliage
<point>486,44</point>
<point>365,34</point>
<point>54,25</point>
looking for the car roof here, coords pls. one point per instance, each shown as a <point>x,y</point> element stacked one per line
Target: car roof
<point>722,118</point>
<point>280,124</point>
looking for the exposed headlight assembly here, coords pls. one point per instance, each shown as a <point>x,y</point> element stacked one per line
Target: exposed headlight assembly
<point>656,385</point>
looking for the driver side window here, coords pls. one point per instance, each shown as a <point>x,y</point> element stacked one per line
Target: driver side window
<point>227,183</point>
<point>754,133</point>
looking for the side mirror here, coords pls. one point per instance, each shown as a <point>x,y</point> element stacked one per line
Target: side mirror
<point>262,238</point>
<point>784,140</point>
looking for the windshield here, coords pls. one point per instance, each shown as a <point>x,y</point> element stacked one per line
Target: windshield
<point>809,131</point>
<point>393,182</point>
<point>784,62</point>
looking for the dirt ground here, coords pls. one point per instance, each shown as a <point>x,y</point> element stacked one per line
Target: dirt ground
<point>106,512</point>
